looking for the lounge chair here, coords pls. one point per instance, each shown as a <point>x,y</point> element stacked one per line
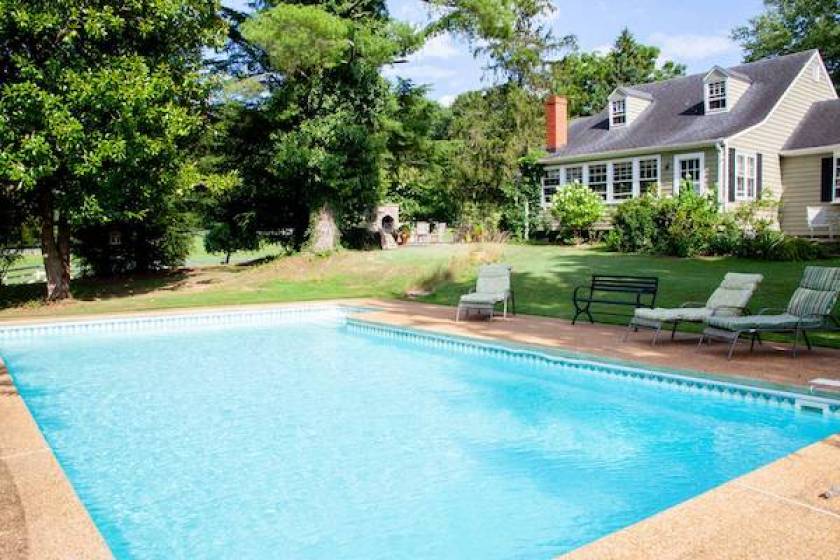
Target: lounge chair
<point>491,288</point>
<point>809,309</point>
<point>729,299</point>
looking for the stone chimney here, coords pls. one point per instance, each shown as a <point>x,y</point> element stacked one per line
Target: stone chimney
<point>556,122</point>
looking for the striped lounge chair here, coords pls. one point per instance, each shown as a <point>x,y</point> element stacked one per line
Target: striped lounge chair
<point>810,308</point>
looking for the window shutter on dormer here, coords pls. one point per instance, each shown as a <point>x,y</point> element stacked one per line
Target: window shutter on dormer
<point>731,174</point>
<point>758,175</point>
<point>827,179</point>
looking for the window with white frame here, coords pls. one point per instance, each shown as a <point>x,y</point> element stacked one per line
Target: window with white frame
<point>618,112</point>
<point>574,175</point>
<point>598,179</point>
<point>688,169</point>
<point>836,177</point>
<point>622,180</point>
<point>716,95</point>
<point>745,174</point>
<point>615,181</point>
<point>551,181</point>
<point>648,175</point>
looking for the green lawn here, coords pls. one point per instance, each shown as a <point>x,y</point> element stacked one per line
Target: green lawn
<point>544,277</point>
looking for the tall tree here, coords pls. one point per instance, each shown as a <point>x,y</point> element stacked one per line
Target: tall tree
<point>788,26</point>
<point>415,168</point>
<point>96,102</point>
<point>326,101</point>
<point>496,128</point>
<point>588,78</point>
<point>512,34</point>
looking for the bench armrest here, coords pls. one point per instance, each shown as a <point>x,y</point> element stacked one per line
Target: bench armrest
<point>579,288</point>
<point>693,304</point>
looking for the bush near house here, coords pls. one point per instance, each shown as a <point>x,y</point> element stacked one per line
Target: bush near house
<point>690,224</point>
<point>576,208</point>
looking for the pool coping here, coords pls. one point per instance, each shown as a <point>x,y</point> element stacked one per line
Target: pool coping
<point>66,528</point>
<point>43,516</point>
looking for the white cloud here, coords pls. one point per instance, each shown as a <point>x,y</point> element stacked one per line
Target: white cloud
<point>446,100</point>
<point>603,49</point>
<point>419,72</point>
<point>690,47</point>
<point>439,46</point>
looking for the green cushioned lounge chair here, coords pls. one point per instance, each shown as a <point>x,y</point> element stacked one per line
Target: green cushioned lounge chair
<point>729,299</point>
<point>491,288</point>
<point>809,308</point>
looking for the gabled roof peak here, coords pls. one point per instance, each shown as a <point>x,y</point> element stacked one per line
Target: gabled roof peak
<point>727,72</point>
<point>630,92</point>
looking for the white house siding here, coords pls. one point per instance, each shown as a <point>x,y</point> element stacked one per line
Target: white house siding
<point>769,137</point>
<point>802,177</point>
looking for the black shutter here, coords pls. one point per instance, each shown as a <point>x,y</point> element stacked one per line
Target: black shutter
<point>758,174</point>
<point>731,174</point>
<point>827,179</point>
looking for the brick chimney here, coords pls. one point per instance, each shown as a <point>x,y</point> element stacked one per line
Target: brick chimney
<point>556,122</point>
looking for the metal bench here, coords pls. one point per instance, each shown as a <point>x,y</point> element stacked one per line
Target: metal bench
<point>607,290</point>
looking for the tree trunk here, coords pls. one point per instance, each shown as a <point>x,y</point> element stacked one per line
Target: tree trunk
<point>323,231</point>
<point>55,249</point>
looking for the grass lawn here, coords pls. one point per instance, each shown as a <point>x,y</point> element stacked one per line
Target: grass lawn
<point>544,277</point>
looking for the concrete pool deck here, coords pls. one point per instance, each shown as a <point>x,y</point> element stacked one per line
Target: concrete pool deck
<point>773,512</point>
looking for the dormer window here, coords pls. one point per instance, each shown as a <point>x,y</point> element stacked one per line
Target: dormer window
<point>618,112</point>
<point>625,105</point>
<point>722,88</point>
<point>716,96</point>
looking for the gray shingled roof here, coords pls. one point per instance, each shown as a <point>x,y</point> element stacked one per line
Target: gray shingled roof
<point>820,127</point>
<point>675,117</point>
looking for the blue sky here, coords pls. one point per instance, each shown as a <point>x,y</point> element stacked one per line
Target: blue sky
<point>693,33</point>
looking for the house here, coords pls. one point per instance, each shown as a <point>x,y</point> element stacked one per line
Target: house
<point>771,126</point>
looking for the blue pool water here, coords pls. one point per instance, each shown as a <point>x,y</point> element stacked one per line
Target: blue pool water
<point>313,439</point>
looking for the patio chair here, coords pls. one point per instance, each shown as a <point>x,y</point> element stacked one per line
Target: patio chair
<point>422,232</point>
<point>809,309</point>
<point>729,299</point>
<point>822,217</point>
<point>491,288</point>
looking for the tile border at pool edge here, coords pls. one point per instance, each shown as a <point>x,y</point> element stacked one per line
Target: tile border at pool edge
<point>668,377</point>
<point>52,522</point>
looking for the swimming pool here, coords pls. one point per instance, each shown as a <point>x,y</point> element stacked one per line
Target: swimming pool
<point>299,434</point>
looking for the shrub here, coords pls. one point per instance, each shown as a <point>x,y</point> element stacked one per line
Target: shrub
<point>479,222</point>
<point>689,222</point>
<point>773,245</point>
<point>142,247</point>
<point>635,229</point>
<point>576,208</point>
<point>682,226</point>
